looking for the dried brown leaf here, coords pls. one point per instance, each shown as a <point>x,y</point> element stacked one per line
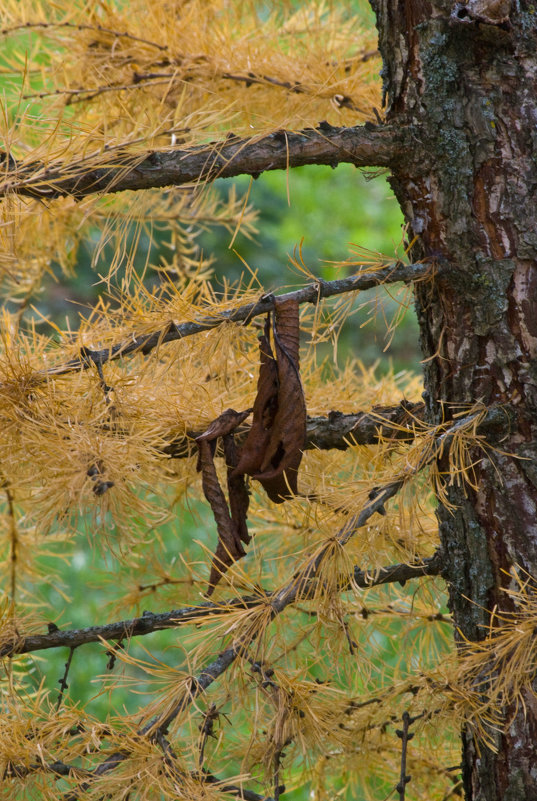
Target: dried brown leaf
<point>279,469</point>
<point>224,424</point>
<point>273,449</point>
<point>229,547</point>
<point>265,408</point>
<point>239,498</point>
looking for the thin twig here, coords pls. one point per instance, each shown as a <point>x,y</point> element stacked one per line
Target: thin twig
<point>83,95</point>
<point>206,731</point>
<point>405,736</point>
<point>278,788</point>
<point>63,681</point>
<point>80,27</point>
<point>142,80</point>
<point>125,629</point>
<point>112,655</point>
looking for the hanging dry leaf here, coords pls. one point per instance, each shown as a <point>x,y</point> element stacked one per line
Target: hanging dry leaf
<point>273,449</point>
<point>265,408</point>
<point>232,527</point>
<point>279,469</point>
<point>224,424</point>
<point>229,547</point>
<point>239,498</point>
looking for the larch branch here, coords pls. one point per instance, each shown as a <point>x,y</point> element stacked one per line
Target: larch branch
<point>158,621</point>
<point>301,584</point>
<point>336,431</point>
<point>100,173</point>
<point>313,293</point>
<point>125,629</point>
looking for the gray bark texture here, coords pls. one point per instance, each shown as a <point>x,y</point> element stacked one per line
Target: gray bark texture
<point>463,78</point>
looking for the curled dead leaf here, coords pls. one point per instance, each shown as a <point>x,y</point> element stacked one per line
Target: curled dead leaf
<point>273,449</point>
<point>264,411</point>
<point>230,520</point>
<point>224,424</point>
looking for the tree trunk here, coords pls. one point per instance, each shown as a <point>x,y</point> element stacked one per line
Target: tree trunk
<point>464,78</point>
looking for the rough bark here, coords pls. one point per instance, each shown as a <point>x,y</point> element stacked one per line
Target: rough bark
<point>464,78</point>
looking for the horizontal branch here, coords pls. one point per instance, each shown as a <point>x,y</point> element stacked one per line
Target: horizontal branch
<point>337,431</point>
<point>400,573</point>
<point>364,146</point>
<point>313,293</point>
<point>158,621</point>
<point>125,629</point>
